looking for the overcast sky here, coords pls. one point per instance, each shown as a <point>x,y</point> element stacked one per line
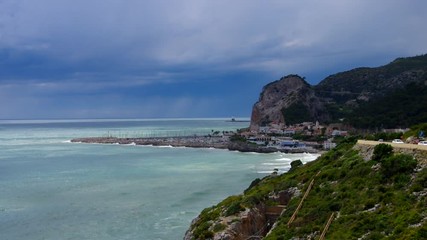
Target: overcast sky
<point>186,58</point>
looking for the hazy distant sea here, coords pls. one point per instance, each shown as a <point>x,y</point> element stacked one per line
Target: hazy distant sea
<point>53,189</point>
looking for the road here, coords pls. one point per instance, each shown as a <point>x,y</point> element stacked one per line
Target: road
<point>394,145</point>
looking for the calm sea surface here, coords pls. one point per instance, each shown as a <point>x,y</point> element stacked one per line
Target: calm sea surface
<point>53,189</point>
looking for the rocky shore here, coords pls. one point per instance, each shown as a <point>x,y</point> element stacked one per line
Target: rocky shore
<point>193,142</point>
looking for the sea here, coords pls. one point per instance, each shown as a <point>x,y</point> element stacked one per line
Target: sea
<point>53,189</point>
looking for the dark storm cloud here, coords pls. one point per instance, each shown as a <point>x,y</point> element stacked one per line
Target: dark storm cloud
<point>114,58</point>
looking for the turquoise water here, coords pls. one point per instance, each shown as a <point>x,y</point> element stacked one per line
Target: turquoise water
<point>53,189</point>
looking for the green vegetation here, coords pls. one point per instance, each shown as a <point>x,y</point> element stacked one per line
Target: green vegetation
<point>296,113</point>
<point>382,151</point>
<point>401,108</point>
<point>390,96</point>
<point>398,164</point>
<point>376,199</point>
<point>415,130</point>
<point>310,138</point>
<point>295,164</point>
<point>237,138</point>
<point>384,136</point>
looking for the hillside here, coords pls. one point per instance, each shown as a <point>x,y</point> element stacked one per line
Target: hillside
<point>368,195</point>
<point>364,83</point>
<point>393,95</point>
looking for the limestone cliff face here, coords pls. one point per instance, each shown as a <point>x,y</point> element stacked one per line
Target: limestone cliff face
<point>251,223</point>
<point>237,227</point>
<point>276,97</point>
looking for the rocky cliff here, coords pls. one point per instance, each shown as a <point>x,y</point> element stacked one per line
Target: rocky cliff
<point>289,93</point>
<point>228,222</point>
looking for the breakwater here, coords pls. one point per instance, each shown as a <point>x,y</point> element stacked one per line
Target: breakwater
<point>193,141</point>
<point>217,142</point>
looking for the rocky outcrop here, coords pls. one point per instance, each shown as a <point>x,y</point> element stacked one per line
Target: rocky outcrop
<point>251,223</point>
<point>242,226</point>
<point>280,95</point>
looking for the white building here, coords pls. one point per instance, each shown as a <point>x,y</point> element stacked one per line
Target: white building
<point>327,145</point>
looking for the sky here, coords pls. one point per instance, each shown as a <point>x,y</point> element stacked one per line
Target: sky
<point>186,58</point>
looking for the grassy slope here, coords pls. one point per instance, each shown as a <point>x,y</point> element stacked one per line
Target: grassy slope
<point>369,201</point>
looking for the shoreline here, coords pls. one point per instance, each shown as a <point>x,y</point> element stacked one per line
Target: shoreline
<point>216,142</point>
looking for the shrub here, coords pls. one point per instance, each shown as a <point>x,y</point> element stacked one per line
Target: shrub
<point>400,163</point>
<point>375,235</point>
<point>202,231</point>
<point>253,184</point>
<point>237,138</point>
<point>335,206</point>
<point>420,181</point>
<point>295,164</point>
<point>234,208</point>
<point>253,199</point>
<point>422,178</point>
<point>382,151</point>
<point>219,227</point>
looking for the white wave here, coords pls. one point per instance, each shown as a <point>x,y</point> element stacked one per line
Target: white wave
<point>165,146</point>
<point>284,159</point>
<point>309,158</point>
<point>145,145</point>
<point>270,172</point>
<point>249,153</point>
<point>275,164</point>
<point>263,172</point>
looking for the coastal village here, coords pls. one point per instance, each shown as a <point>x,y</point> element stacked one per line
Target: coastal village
<point>281,136</point>
<point>265,139</point>
<point>305,137</point>
<point>312,134</point>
